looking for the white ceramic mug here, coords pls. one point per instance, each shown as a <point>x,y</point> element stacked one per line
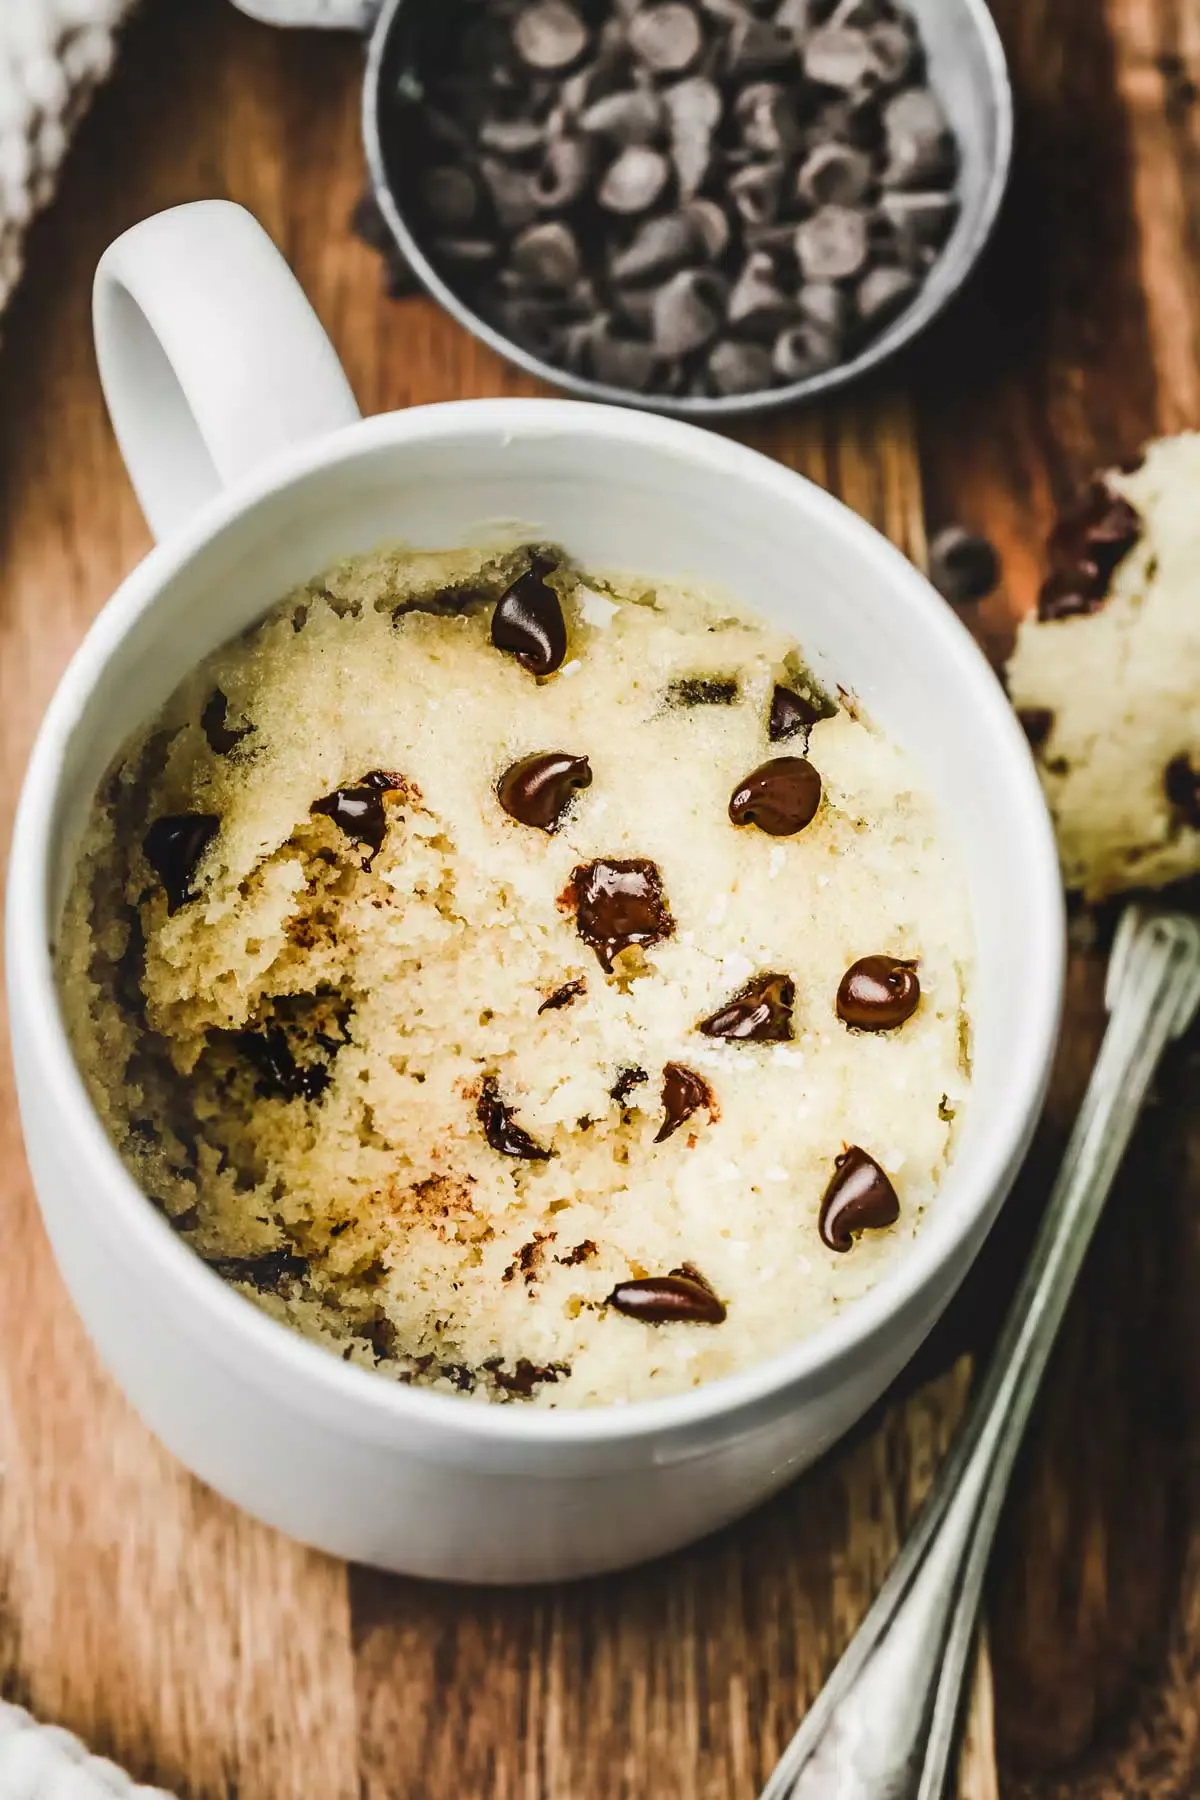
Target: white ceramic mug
<point>255,471</point>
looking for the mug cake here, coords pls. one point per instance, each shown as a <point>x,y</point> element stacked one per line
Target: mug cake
<point>524,982</point>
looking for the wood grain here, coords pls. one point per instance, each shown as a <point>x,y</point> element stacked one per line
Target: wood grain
<point>215,1657</point>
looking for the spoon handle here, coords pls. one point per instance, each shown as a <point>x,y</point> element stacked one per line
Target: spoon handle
<point>883,1727</point>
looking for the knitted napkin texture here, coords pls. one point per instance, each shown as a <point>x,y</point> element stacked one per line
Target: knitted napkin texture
<point>52,55</point>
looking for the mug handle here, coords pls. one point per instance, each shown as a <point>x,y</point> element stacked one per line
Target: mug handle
<point>211,359</point>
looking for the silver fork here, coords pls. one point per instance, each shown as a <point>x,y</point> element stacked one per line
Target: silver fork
<point>884,1725</point>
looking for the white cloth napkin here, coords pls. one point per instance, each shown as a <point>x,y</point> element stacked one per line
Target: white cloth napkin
<point>52,54</point>
<point>40,1762</point>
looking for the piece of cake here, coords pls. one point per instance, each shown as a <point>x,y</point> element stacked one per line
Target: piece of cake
<point>521,984</point>
<point>1106,676</point>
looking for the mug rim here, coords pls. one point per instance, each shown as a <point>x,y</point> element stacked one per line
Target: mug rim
<point>364,1399</point>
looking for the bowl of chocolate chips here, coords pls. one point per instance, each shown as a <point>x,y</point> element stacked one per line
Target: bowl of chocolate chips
<point>703,207</point>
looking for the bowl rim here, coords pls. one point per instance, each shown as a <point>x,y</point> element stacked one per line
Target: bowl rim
<point>930,301</point>
<point>236,1332</point>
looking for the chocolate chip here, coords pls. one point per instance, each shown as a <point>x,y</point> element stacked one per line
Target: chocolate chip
<point>549,35</point>
<point>276,1272</point>
<point>683,1093</point>
<point>546,255</point>
<point>780,797</point>
<point>802,351</point>
<point>791,714</point>
<point>757,303</point>
<point>920,147</point>
<point>359,811</point>
<point>711,223</point>
<point>471,254</point>
<point>740,368</point>
<point>623,362</point>
<point>703,690</point>
<point>893,50</point>
<point>619,904</point>
<point>878,993</point>
<point>761,1013</point>
<point>766,117</point>
<point>666,37</point>
<point>919,224</point>
<point>222,737</point>
<point>563,996</point>
<point>687,312</point>
<point>756,193</point>
<point>512,137</point>
<point>626,1081</point>
<point>832,245</point>
<point>634,181</point>
<point>539,789</point>
<point>883,293</point>
<point>524,1376</point>
<point>694,109</point>
<point>449,197</point>
<point>631,116</point>
<point>278,1075</point>
<point>512,192</point>
<point>759,46</point>
<point>1181,784</point>
<point>667,1300</point>
<point>834,174</point>
<point>528,621</point>
<point>1085,549</point>
<point>837,58</point>
<point>500,1128</point>
<point>657,248</point>
<point>1036,722</point>
<point>859,1198</point>
<point>564,174</point>
<point>962,565</point>
<point>173,847</point>
<point>826,306</point>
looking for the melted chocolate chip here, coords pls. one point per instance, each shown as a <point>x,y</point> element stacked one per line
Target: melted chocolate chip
<point>278,1075</point>
<point>791,714</point>
<point>501,1130</point>
<point>359,812</point>
<point>222,737</point>
<point>878,993</point>
<point>173,847</point>
<point>538,789</point>
<point>528,620</point>
<point>859,1198</point>
<point>563,996</point>
<point>625,1083</point>
<point>683,1093</point>
<point>276,1270</point>
<point>1084,550</point>
<point>524,1376</point>
<point>580,1254</point>
<point>702,690</point>
<point>618,904</point>
<point>1181,784</point>
<point>1036,722</point>
<point>677,1298</point>
<point>761,1013</point>
<point>780,798</point>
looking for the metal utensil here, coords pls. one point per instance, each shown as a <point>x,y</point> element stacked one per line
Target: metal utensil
<point>966,68</point>
<point>884,1725</point>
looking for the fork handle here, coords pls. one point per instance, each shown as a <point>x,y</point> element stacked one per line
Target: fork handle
<point>883,1727</point>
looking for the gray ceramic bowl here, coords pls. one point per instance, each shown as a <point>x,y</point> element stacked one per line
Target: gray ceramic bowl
<point>966,68</point>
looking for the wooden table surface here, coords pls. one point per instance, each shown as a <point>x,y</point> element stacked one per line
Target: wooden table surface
<point>211,1655</point>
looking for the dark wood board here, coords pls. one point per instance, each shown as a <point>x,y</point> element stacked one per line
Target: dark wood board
<point>211,1655</point>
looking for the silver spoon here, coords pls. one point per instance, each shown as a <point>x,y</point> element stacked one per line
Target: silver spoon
<point>884,1725</point>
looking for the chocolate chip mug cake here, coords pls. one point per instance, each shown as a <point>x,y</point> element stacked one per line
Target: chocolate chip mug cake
<point>524,984</point>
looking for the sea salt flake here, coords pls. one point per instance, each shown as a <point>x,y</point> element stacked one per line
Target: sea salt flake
<point>783,1053</point>
<point>595,609</point>
<point>775,1174</point>
<point>736,967</point>
<point>571,668</point>
<point>776,860</point>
